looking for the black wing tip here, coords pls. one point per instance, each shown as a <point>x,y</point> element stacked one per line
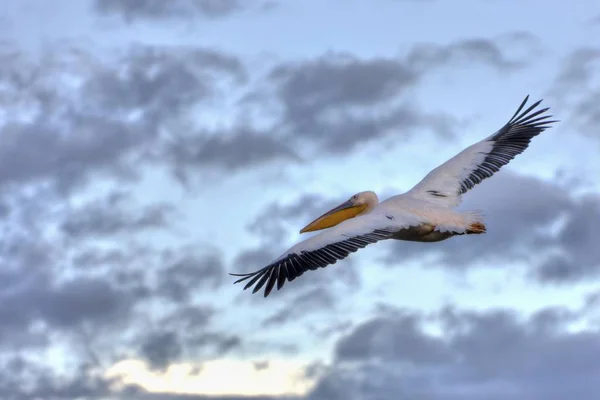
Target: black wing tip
<point>243,276</point>
<point>522,117</point>
<point>531,119</point>
<point>295,264</point>
<point>233,274</point>
<point>259,278</point>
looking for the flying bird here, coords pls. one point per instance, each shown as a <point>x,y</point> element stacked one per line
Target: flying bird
<point>426,213</point>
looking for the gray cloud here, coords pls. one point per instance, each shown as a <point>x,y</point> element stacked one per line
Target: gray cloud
<point>337,101</point>
<point>50,297</point>
<point>336,80</point>
<point>22,379</point>
<point>108,216</point>
<point>320,99</point>
<point>68,162</point>
<point>579,257</point>
<point>63,305</point>
<point>79,300</point>
<point>492,354</point>
<point>491,53</point>
<point>188,274</point>
<point>104,309</point>
<point>189,318</point>
<point>16,319</point>
<point>118,111</point>
<point>161,349</point>
<point>161,82</point>
<point>215,343</point>
<point>320,298</point>
<point>578,68</point>
<point>92,257</point>
<point>392,338</point>
<point>233,150</point>
<point>158,10</point>
<point>137,110</point>
<point>588,114</point>
<point>574,86</point>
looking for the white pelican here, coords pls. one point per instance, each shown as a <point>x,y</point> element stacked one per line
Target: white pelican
<point>424,214</point>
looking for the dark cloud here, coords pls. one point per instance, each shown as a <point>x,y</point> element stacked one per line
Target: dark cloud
<point>95,257</point>
<point>233,150</point>
<point>137,109</point>
<point>575,86</point>
<point>190,318</point>
<point>161,82</point>
<point>320,99</point>
<point>63,305</point>
<point>319,298</point>
<point>38,151</point>
<point>21,379</point>
<point>188,274</point>
<point>493,354</point>
<point>161,349</point>
<point>100,313</point>
<point>158,10</point>
<point>578,67</point>
<point>119,110</point>
<point>490,53</point>
<point>392,338</point>
<point>578,256</point>
<point>337,80</point>
<point>332,328</point>
<point>79,300</point>
<point>219,343</point>
<point>51,298</point>
<point>108,216</point>
<point>337,101</point>
<point>588,114</point>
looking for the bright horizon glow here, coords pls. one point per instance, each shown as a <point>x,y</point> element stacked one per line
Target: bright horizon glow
<point>217,377</point>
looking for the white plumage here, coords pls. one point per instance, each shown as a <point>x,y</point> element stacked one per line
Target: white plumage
<point>425,213</point>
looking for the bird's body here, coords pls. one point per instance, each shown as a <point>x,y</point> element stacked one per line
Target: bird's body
<point>424,214</point>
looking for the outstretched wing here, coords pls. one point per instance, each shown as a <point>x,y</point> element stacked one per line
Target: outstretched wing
<point>326,248</point>
<point>445,184</point>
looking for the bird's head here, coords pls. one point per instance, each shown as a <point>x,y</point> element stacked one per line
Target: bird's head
<point>358,204</point>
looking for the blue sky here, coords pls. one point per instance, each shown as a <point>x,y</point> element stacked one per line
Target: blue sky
<point>148,147</point>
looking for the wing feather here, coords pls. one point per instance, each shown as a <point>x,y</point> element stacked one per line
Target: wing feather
<point>323,249</point>
<point>445,184</point>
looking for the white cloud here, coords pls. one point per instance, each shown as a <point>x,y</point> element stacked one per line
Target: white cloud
<point>217,377</point>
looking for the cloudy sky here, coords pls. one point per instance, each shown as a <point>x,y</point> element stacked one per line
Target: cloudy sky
<point>149,147</point>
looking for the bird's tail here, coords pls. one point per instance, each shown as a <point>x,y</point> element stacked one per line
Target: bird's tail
<point>474,222</point>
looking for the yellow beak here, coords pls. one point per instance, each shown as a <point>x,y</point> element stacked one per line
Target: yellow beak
<point>333,217</point>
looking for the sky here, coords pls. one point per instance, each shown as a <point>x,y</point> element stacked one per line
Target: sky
<point>148,148</point>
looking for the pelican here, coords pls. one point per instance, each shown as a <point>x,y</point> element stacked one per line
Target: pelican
<point>426,213</point>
